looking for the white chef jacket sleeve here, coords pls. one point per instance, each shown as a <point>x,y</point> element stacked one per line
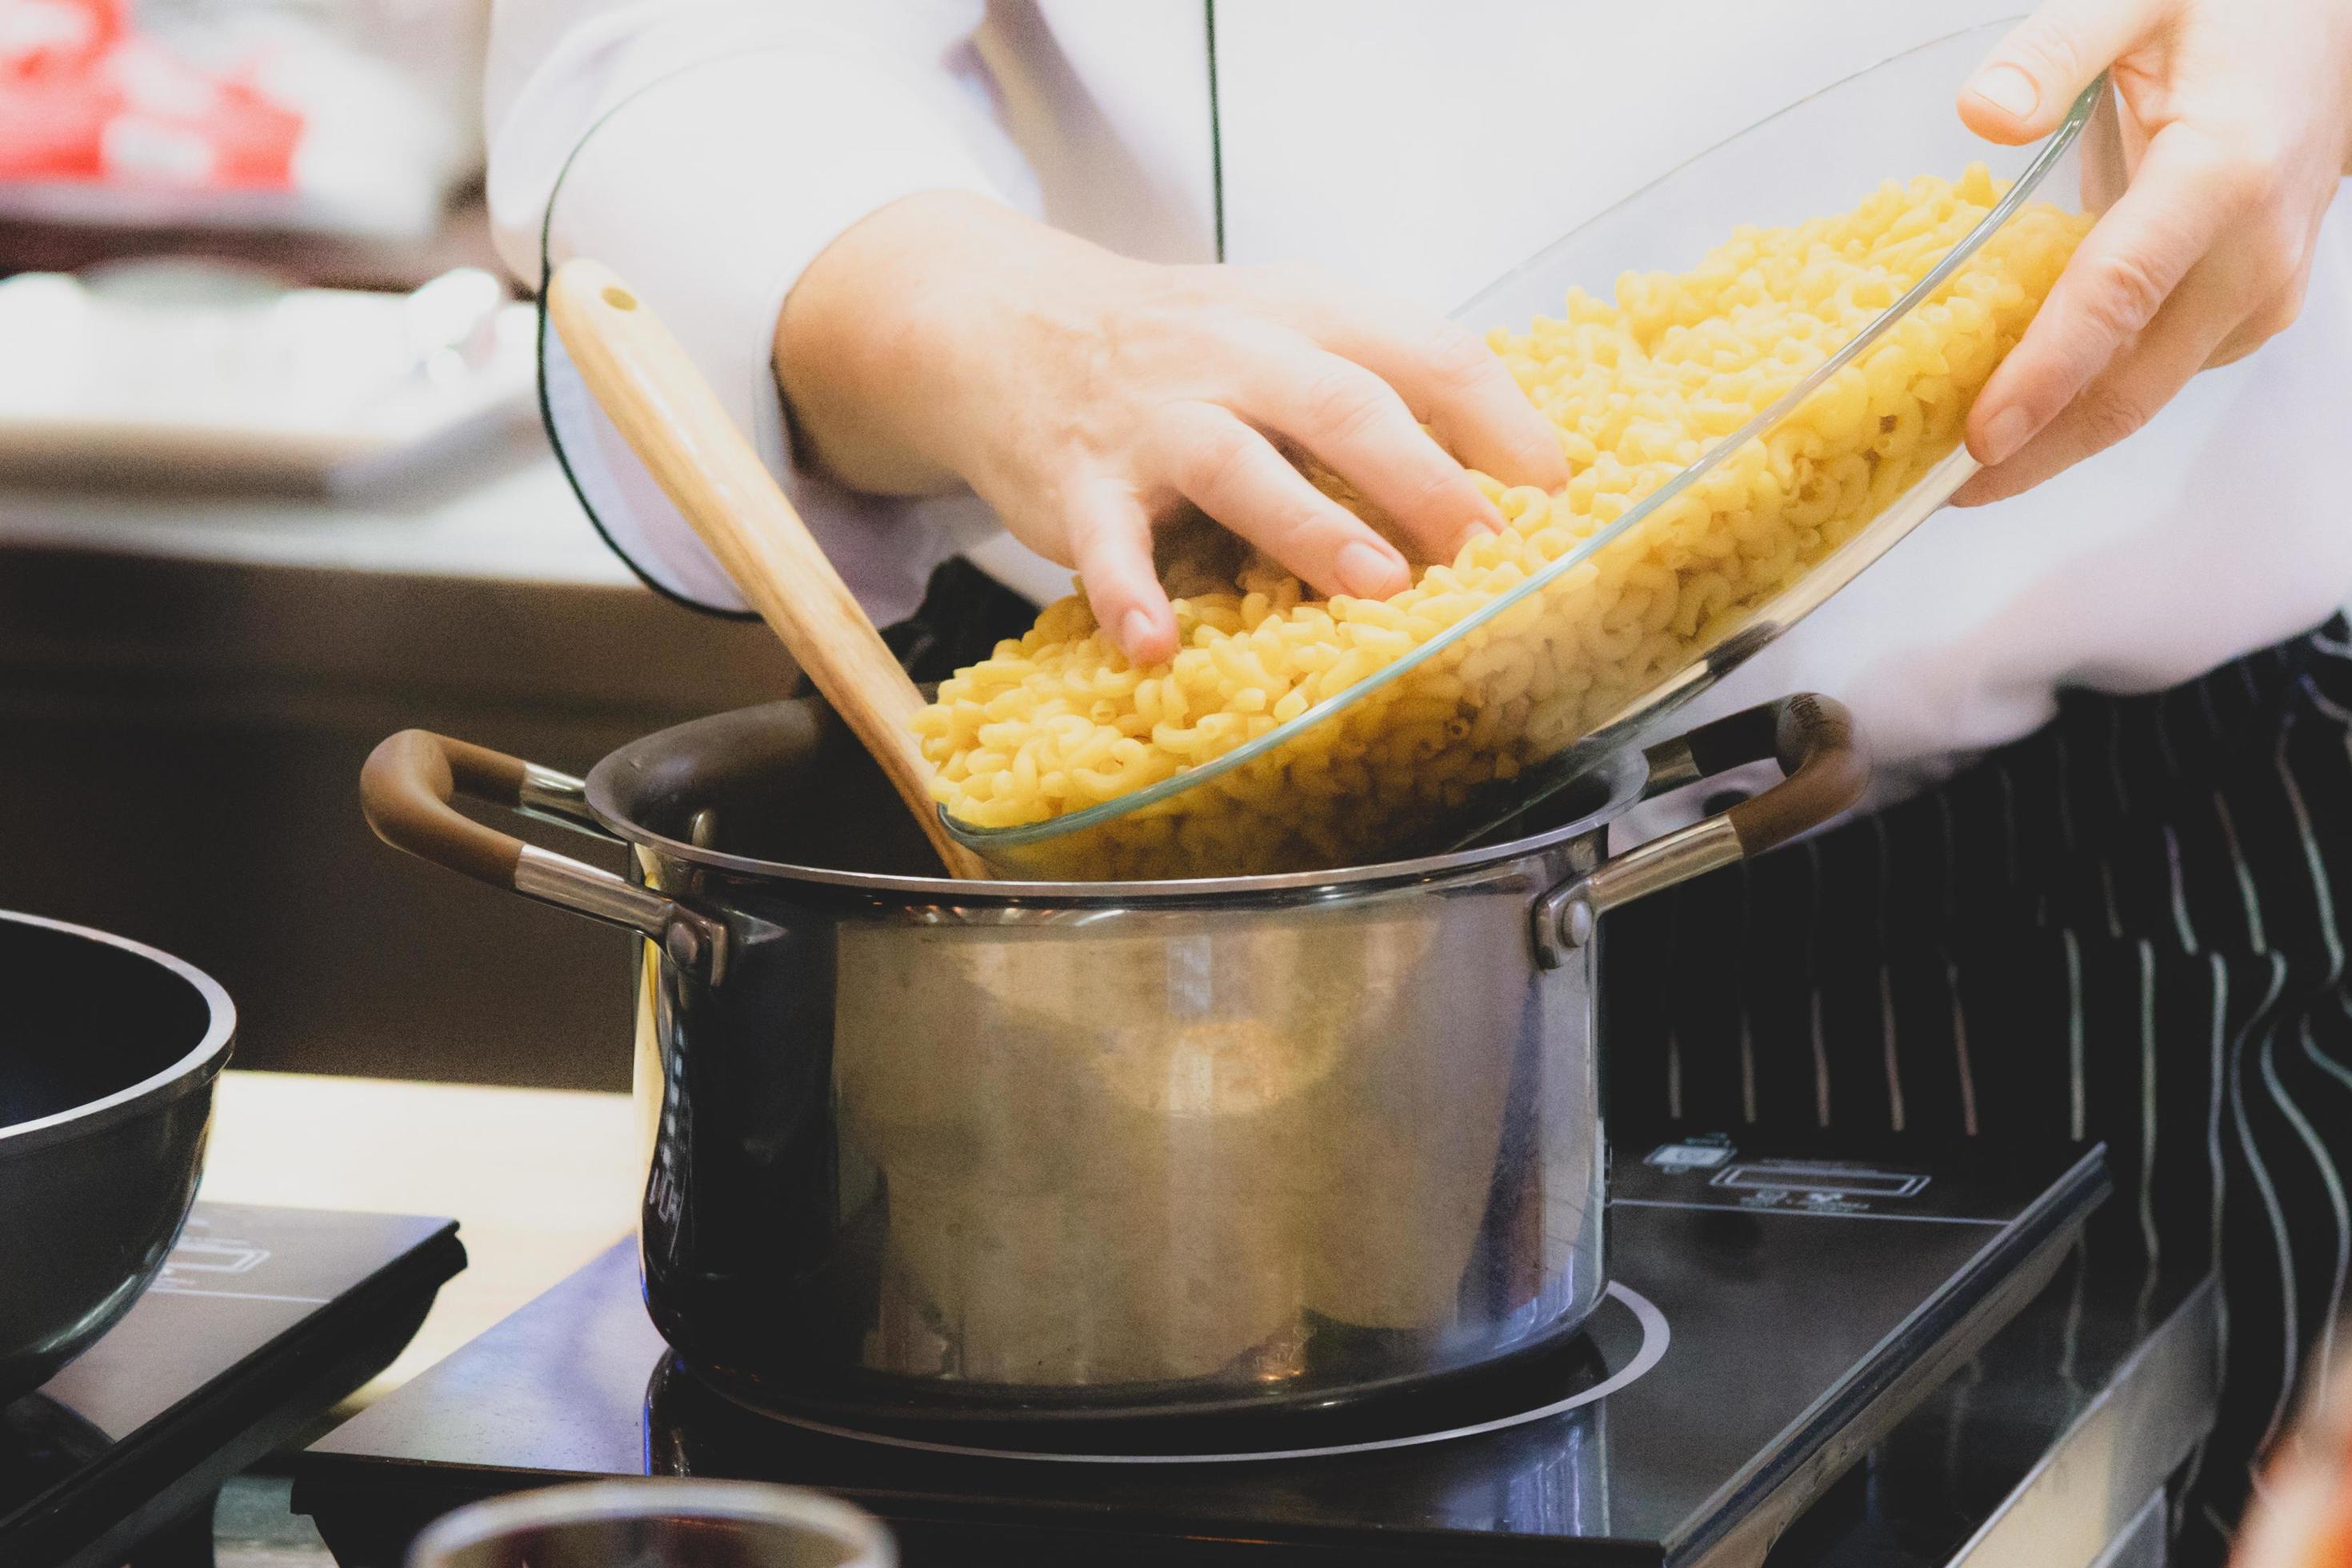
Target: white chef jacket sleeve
<point>707,153</point>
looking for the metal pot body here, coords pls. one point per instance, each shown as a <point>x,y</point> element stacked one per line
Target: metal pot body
<point>1172,1154</point>
<point>982,1149</point>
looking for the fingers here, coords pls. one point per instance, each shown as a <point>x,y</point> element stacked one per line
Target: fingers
<point>1355,422</point>
<point>1111,540</point>
<point>1447,374</point>
<point>1455,383</point>
<point>2022,89</point>
<point>2184,198</point>
<point>2187,333</point>
<point>1233,473</point>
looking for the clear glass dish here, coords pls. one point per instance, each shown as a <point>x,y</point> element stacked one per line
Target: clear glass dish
<point>1818,157</point>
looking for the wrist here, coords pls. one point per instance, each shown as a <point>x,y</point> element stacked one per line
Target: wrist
<point>852,344</point>
<point>892,349</point>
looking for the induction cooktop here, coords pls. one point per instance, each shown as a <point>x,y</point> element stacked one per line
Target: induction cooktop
<point>261,1320</point>
<point>1774,1311</point>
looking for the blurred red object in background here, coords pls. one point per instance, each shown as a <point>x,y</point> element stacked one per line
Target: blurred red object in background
<point>85,98</point>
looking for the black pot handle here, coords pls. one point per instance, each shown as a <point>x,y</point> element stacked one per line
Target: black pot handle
<point>408,788</point>
<point>1824,769</point>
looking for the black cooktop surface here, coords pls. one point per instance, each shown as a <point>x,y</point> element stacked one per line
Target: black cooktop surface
<point>1774,1313</point>
<point>260,1320</point>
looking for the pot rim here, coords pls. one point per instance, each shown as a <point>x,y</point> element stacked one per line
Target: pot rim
<point>191,1071</point>
<point>1626,772</point>
<point>659,1500</point>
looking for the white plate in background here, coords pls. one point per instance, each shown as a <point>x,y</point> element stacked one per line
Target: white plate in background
<point>204,377</point>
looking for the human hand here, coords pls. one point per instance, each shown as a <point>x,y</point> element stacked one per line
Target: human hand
<point>2301,1516</point>
<point>1087,397</point>
<point>2238,116</point>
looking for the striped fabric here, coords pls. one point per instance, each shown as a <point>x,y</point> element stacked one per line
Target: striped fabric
<point>2128,927</point>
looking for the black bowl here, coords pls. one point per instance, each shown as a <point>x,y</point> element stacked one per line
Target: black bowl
<point>107,1053</point>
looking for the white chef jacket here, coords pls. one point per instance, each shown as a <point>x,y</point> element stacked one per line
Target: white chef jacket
<point>1405,144</point>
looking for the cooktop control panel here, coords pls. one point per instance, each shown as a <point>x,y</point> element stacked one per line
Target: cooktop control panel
<point>1712,1170</point>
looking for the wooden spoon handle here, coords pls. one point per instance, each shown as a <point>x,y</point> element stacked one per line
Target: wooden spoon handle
<point>673,421</point>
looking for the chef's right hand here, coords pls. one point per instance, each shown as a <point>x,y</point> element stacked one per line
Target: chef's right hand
<point>1087,398</point>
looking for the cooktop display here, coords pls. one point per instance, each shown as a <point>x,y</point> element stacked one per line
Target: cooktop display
<point>261,1320</point>
<point>1774,1311</point>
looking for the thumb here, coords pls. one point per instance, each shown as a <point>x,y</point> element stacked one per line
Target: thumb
<point>2023,88</point>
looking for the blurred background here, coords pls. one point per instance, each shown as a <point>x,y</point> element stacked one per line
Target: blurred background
<point>272,486</point>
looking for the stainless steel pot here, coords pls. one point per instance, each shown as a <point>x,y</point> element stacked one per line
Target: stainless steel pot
<point>977,1149</point>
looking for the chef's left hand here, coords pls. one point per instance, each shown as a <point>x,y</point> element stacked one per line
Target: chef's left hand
<point>2241,112</point>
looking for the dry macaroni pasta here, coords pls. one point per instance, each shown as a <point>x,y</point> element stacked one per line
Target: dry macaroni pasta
<point>1639,388</point>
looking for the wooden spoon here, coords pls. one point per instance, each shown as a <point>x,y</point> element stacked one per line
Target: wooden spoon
<point>674,422</point>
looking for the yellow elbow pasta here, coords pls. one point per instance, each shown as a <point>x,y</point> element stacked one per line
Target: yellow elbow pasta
<point>1639,389</point>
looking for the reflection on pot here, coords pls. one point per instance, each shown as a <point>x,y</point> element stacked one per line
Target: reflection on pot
<point>1209,1142</point>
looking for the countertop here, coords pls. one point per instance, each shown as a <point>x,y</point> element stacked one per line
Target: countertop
<point>503,511</point>
<point>539,1181</point>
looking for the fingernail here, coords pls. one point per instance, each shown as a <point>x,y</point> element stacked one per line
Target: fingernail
<point>1134,630</point>
<point>2004,434</point>
<point>1366,571</point>
<point>1479,527</point>
<point>2008,89</point>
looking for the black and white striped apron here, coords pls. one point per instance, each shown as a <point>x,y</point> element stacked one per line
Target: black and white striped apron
<point>2125,927</point>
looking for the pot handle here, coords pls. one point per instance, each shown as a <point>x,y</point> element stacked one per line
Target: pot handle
<point>1824,769</point>
<point>406,790</point>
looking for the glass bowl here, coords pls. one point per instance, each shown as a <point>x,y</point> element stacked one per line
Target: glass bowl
<point>1484,718</point>
<point>1335,785</point>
